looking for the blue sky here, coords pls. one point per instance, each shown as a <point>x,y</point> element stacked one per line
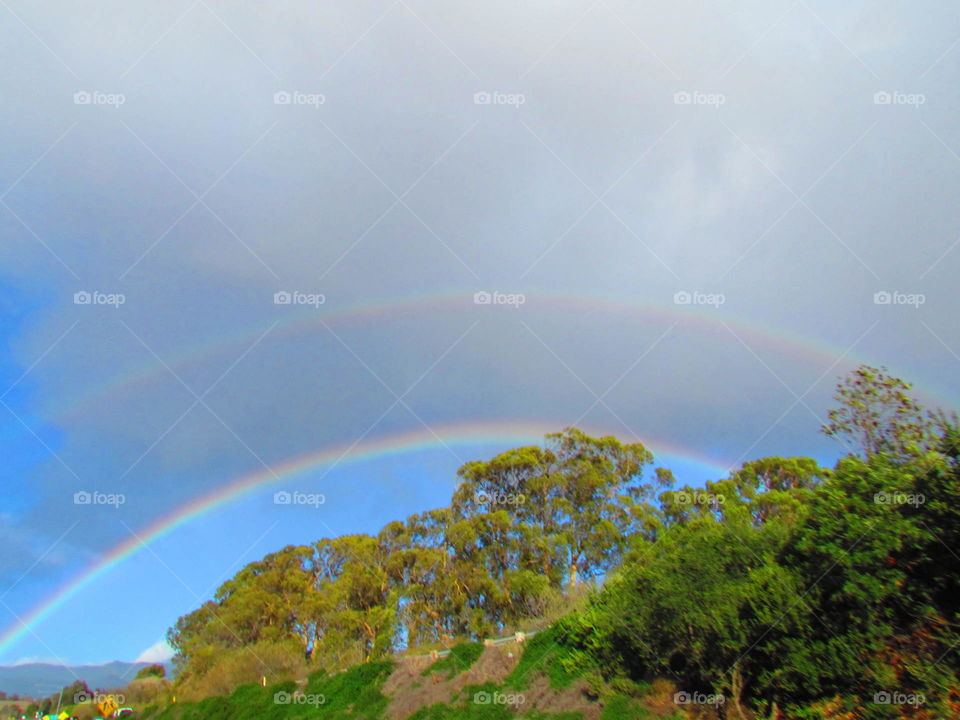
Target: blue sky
<point>708,214</point>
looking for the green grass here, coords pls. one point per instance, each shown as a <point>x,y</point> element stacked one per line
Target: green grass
<point>351,695</point>
<point>461,658</point>
<point>356,694</point>
<point>543,654</point>
<point>476,703</point>
<point>619,708</point>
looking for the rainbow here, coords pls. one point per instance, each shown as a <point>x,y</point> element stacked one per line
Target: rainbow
<point>713,322</point>
<point>473,434</point>
<point>467,434</point>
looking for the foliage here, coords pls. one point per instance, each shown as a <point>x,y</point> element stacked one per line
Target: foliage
<point>838,589</point>
<point>544,654</point>
<point>151,671</point>
<point>522,530</point>
<point>461,658</point>
<point>225,669</point>
<point>878,414</point>
<point>787,589</point>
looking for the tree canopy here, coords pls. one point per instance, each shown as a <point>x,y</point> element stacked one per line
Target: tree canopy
<point>784,586</point>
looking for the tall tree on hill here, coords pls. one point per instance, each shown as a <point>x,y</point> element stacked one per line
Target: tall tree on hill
<point>579,494</point>
<point>520,527</point>
<point>877,415</point>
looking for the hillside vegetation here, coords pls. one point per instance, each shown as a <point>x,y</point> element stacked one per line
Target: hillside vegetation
<point>785,590</point>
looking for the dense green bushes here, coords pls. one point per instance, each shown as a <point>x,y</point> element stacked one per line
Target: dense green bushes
<point>845,601</point>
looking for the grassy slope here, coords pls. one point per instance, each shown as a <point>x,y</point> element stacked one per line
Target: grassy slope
<point>540,677</point>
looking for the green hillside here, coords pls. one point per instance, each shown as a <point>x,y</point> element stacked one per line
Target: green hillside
<point>783,591</point>
<point>535,680</point>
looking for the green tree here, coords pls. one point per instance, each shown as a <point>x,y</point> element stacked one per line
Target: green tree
<point>584,496</point>
<point>151,671</point>
<point>708,606</point>
<point>877,415</point>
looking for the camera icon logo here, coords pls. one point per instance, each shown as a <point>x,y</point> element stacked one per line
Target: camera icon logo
<point>882,98</point>
<point>282,298</point>
<point>681,698</point>
<point>882,698</point>
<point>282,698</point>
<point>482,98</point>
<point>282,497</point>
<point>82,498</point>
<point>482,298</point>
<point>482,698</point>
<point>882,298</point>
<point>82,298</point>
<point>282,98</point>
<point>682,98</point>
<point>82,697</point>
<point>82,97</point>
<point>682,297</point>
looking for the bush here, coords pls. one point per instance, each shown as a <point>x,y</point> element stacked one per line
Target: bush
<point>354,693</point>
<point>545,653</point>
<point>461,658</point>
<point>241,666</point>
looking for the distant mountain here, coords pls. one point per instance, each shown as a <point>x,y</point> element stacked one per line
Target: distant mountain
<point>41,680</point>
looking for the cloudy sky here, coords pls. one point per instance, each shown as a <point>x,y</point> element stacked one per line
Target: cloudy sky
<point>340,248</point>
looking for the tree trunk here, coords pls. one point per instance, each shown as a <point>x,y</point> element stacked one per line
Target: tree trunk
<point>774,710</point>
<point>736,690</point>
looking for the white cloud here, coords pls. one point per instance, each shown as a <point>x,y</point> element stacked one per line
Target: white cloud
<point>161,652</point>
<point>38,660</point>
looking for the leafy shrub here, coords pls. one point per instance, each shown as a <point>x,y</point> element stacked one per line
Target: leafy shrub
<point>544,653</point>
<point>461,658</point>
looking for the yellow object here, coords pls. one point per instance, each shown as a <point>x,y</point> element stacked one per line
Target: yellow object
<point>107,706</point>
